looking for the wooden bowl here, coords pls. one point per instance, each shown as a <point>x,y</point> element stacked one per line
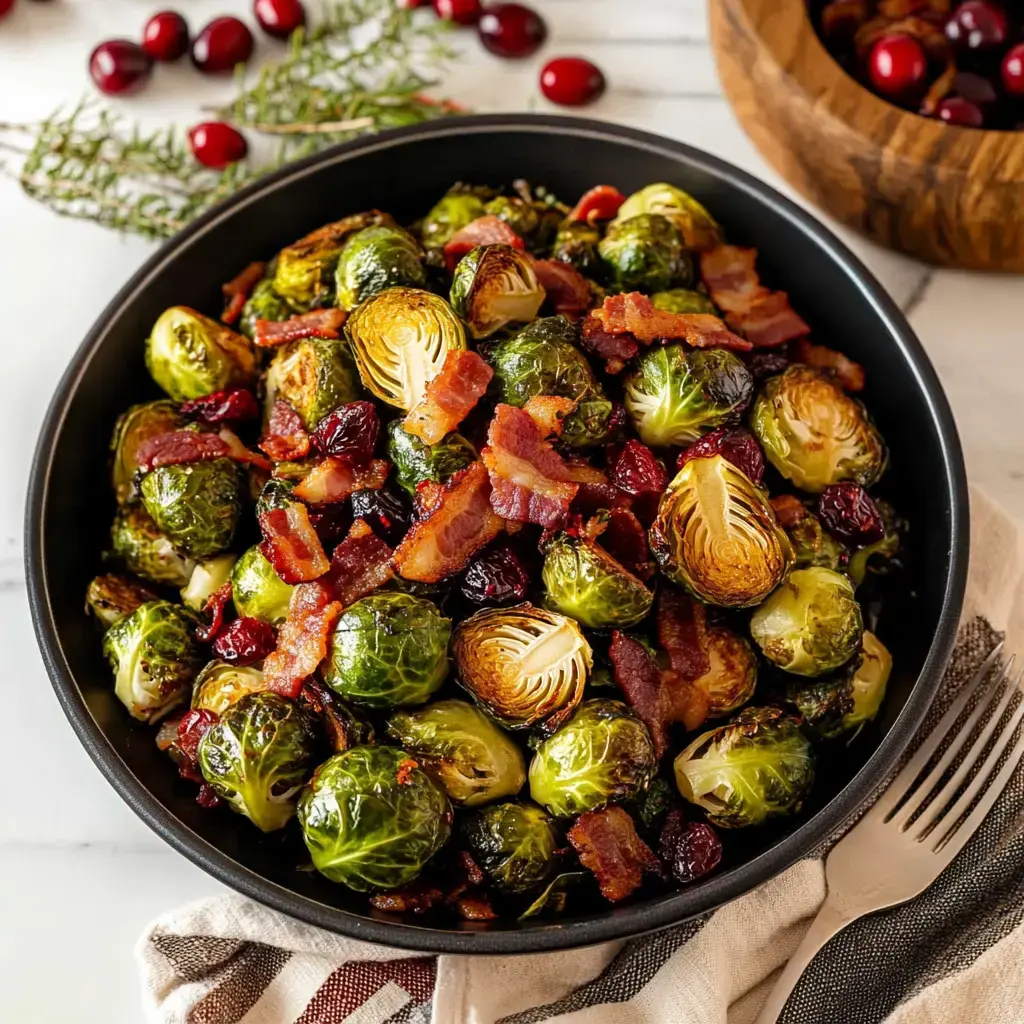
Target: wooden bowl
<point>947,195</point>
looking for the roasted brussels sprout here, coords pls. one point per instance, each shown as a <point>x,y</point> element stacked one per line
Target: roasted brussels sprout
<point>522,217</point>
<point>453,211</point>
<point>583,581</point>
<point>602,754</point>
<point>874,558</point>
<point>811,625</point>
<point>207,578</point>
<point>376,258</point>
<point>462,750</point>
<point>495,285</point>
<point>220,685</point>
<point>189,355</point>
<point>138,424</point>
<point>716,534</point>
<point>110,597</point>
<point>263,304</point>
<point>756,766</point>
<point>644,253</point>
<point>696,226</point>
<point>674,395</point>
<point>372,819</point>
<point>870,680</point>
<point>257,756</point>
<point>814,434</point>
<point>683,300</point>
<point>400,339</point>
<point>542,359</point>
<point>524,664</point>
<point>154,658</point>
<point>388,650</point>
<point>576,244</point>
<point>813,546</point>
<point>730,681</point>
<point>314,376</point>
<point>416,461</point>
<point>256,589</point>
<point>514,843</point>
<point>137,542</point>
<point>196,504</point>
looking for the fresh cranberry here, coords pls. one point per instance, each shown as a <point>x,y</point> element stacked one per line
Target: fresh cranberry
<point>119,66</point>
<point>216,144</point>
<point>245,642</point>
<point>235,405</point>
<point>956,110</point>
<point>412,5</point>
<point>279,18</point>
<point>462,12</point>
<point>1013,70</point>
<point>221,45</point>
<point>571,81</point>
<point>897,65</point>
<point>847,512</point>
<point>690,848</point>
<point>165,36</point>
<point>384,512</point>
<point>737,445</point>
<point>5,7</point>
<point>495,577</point>
<point>766,364</point>
<point>977,25</point>
<point>350,432</point>
<point>976,88</point>
<point>512,30</point>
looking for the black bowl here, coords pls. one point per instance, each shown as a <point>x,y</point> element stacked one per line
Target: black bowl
<point>404,172</point>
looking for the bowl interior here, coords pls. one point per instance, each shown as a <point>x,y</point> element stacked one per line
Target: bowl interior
<point>70,510</point>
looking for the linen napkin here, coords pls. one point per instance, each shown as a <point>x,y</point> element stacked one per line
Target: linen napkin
<point>951,955</point>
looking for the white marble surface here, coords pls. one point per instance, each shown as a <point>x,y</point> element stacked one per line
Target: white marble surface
<point>79,874</point>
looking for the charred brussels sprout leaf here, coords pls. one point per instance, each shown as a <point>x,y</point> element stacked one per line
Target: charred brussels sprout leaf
<point>555,894</point>
<point>189,355</point>
<point>813,546</point>
<point>257,756</point>
<point>257,591</point>
<point>814,434</point>
<point>372,820</point>
<point>495,285</point>
<point>138,424</point>
<point>314,376</point>
<point>416,461</point>
<point>755,767</point>
<point>514,843</point>
<point>263,304</point>
<point>730,681</point>
<point>522,217</point>
<point>376,258</point>
<point>462,750</point>
<point>583,581</point>
<point>196,504</point>
<point>602,754</point>
<point>683,300</point>
<point>811,624</point>
<point>154,658</point>
<point>400,339</point>
<point>137,542</point>
<point>206,579</point>
<point>110,597</point>
<point>452,211</point>
<point>523,664</point>
<point>388,650</point>
<point>696,226</point>
<point>644,253</point>
<point>576,244</point>
<point>716,534</point>
<point>674,395</point>
<point>220,685</point>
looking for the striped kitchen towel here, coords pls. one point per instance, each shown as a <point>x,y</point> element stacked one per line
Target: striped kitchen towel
<point>952,955</point>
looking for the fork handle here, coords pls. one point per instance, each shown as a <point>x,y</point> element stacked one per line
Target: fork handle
<point>832,919</point>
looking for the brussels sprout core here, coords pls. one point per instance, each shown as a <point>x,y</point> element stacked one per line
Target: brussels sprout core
<point>207,578</point>
<point>495,285</point>
<point>220,685</point>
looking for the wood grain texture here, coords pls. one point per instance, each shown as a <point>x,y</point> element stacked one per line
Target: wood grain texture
<point>951,196</point>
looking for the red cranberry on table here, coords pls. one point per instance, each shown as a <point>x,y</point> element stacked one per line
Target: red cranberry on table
<point>571,81</point>
<point>511,30</point>
<point>216,144</point>
<point>279,18</point>
<point>222,44</point>
<point>897,65</point>
<point>462,12</point>
<point>1013,70</point>
<point>119,66</point>
<point>977,25</point>
<point>5,7</point>
<point>959,111</point>
<point>165,36</point>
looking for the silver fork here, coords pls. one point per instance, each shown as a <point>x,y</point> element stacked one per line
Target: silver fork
<point>906,841</point>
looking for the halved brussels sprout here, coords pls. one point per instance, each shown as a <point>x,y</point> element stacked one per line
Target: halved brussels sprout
<point>716,534</point>
<point>459,747</point>
<point>376,258</point>
<point>683,300</point>
<point>196,504</point>
<point>730,681</point>
<point>811,625</point>
<point>110,597</point>
<point>523,664</point>
<point>522,217</point>
<point>314,376</point>
<point>154,657</point>
<point>220,685</point>
<point>207,578</point>
<point>138,424</point>
<point>514,843</point>
<point>644,253</point>
<point>869,681</point>
<point>256,589</point>
<point>813,546</point>
<point>263,304</point>
<point>416,461</point>
<point>674,395</point>
<point>450,213</point>
<point>696,226</point>
<point>371,819</point>
<point>388,650</point>
<point>576,244</point>
<point>755,767</point>
<point>137,541</point>
<point>602,754</point>
<point>495,285</point>
<point>583,581</point>
<point>189,355</point>
<point>815,434</point>
<point>257,756</point>
<point>400,339</point>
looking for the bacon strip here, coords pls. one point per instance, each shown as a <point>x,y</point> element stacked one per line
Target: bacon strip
<point>177,447</point>
<point>607,844</point>
<point>238,289</point>
<point>568,291</point>
<point>616,349</point>
<point>487,230</point>
<point>291,545</point>
<point>335,479</point>
<point>458,523</point>
<point>634,314</point>
<point>317,323</point>
<point>450,395</point>
<point>238,451</point>
<point>285,438</point>
<point>683,633</point>
<point>549,412</point>
<point>848,374</point>
<point>601,202</point>
<point>302,638</point>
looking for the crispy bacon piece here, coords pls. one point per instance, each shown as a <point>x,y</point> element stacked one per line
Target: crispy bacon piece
<point>286,438</point>
<point>428,497</point>
<point>475,908</point>
<point>302,638</point>
<point>238,289</point>
<point>607,844</point>
<point>615,349</point>
<point>459,522</point>
<point>634,314</point>
<point>683,633</point>
<point>177,447</point>
<point>549,412</point>
<point>214,607</point>
<point>848,374</point>
<point>789,510</point>
<point>625,539</point>
<point>238,451</point>
<point>568,291</point>
<point>405,769</point>
<point>416,898</point>
<point>361,564</point>
<point>488,230</point>
<point>291,545</point>
<point>529,479</point>
<point>317,323</point>
<point>450,395</point>
<point>335,479</point>
<point>601,202</point>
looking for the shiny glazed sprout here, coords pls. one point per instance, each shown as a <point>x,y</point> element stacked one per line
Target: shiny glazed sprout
<point>644,253</point>
<point>693,222</point>
<point>515,844</point>
<point>314,376</point>
<point>495,285</point>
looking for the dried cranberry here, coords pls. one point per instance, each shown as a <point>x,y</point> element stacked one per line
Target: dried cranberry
<point>330,522</point>
<point>690,848</point>
<point>496,577</point>
<point>245,642</point>
<point>847,512</point>
<point>236,405</point>
<point>214,610</point>
<point>165,36</point>
<point>194,725</point>
<point>737,445</point>
<point>633,468</point>
<point>385,513</point>
<point>350,432</point>
<point>766,364</point>
<point>207,797</point>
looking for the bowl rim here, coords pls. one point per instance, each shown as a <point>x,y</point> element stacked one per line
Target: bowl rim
<point>620,923</point>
